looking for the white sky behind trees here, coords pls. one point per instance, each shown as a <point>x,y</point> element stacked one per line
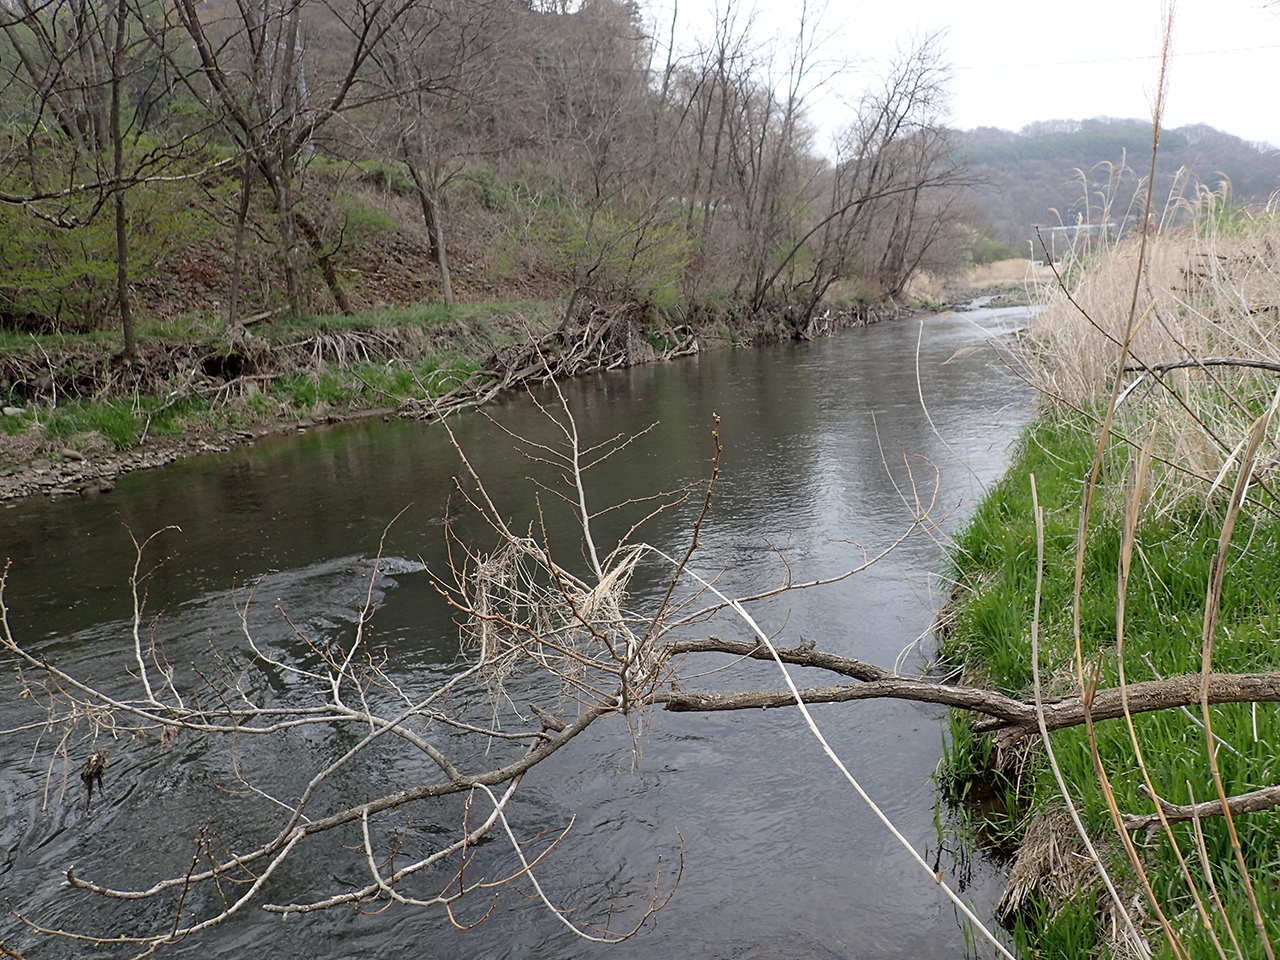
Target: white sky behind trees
<point>1018,61</point>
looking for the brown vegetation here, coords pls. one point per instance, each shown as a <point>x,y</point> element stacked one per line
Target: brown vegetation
<point>320,156</point>
<point>1204,337</point>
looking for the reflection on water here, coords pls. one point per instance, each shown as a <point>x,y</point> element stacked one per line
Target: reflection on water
<point>822,442</point>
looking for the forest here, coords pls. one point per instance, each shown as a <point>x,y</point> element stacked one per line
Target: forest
<point>324,156</point>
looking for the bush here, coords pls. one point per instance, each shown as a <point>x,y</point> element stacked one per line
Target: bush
<point>62,278</point>
<point>983,249</point>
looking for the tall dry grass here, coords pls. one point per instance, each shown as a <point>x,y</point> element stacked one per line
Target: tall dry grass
<point>1206,348</point>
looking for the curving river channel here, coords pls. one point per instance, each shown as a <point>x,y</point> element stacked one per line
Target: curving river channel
<point>781,859</point>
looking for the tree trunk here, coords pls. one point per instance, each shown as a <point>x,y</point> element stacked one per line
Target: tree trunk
<point>325,259</point>
<point>237,259</point>
<point>289,241</point>
<point>122,225</point>
<point>432,217</point>
<point>442,256</point>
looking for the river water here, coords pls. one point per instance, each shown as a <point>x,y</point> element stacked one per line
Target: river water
<point>781,859</point>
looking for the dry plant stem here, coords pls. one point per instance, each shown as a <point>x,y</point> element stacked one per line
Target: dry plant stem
<point>1197,362</point>
<point>1136,939</point>
<point>559,914</point>
<point>387,885</point>
<point>1128,536</point>
<point>1217,571</point>
<point>299,826</point>
<point>1155,371</point>
<point>932,426</point>
<point>538,752</point>
<point>799,701</point>
<point>697,530</point>
<point>1088,685</point>
<point>570,430</point>
<point>1203,854</point>
<point>1097,421</point>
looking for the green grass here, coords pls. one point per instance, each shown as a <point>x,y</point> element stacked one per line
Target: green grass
<point>996,556</point>
<point>16,424</point>
<point>1070,934</point>
<point>373,384</point>
<point>122,422</point>
<point>125,421</point>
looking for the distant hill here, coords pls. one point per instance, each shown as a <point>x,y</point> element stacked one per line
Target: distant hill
<point>1034,176</point>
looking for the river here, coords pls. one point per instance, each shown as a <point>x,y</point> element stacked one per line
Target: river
<point>781,859</point>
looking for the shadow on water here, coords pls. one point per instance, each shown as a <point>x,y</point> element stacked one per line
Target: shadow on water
<point>780,858</point>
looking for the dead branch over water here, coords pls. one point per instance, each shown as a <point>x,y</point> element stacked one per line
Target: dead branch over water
<point>572,646</point>
<point>595,654</point>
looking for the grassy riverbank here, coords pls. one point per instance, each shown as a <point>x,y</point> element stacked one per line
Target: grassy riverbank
<point>76,414</point>
<point>1193,418</point>
<point>1055,903</point>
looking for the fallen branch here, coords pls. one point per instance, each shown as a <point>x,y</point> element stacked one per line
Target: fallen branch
<point>1251,802</point>
<point>1204,362</point>
<point>1009,719</point>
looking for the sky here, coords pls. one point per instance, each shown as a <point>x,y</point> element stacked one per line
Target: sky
<point>1017,61</point>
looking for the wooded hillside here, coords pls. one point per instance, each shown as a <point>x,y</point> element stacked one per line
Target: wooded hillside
<point>315,156</point>
<point>1038,175</point>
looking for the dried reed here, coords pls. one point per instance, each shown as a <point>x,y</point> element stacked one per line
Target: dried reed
<point>1204,349</point>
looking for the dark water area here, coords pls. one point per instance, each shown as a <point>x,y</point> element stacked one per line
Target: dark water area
<point>781,859</point>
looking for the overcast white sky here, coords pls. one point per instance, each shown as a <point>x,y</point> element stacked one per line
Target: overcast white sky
<point>1016,61</point>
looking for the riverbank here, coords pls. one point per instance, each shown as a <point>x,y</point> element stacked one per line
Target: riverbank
<point>78,416</point>
<point>1004,283</point>
<point>1168,586</point>
<point>1054,902</point>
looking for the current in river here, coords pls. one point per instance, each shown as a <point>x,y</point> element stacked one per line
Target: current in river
<point>822,441</point>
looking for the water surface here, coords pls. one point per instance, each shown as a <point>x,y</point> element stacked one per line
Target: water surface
<point>781,859</point>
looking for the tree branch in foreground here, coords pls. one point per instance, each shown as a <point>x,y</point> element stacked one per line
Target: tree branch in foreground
<point>1009,719</point>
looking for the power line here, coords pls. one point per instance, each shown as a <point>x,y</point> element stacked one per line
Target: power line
<point>1073,63</point>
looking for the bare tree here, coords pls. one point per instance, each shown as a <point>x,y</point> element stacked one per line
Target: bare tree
<point>274,95</point>
<point>99,74</point>
<point>889,198</point>
<point>438,66</point>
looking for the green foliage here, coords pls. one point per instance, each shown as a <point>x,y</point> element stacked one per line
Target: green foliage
<point>494,194</point>
<point>852,294</point>
<point>122,422</point>
<point>983,249</point>
<point>640,259</point>
<point>596,246</point>
<point>1217,213</point>
<point>386,175</point>
<point>996,557</point>
<point>65,275</point>
<point>361,219</point>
